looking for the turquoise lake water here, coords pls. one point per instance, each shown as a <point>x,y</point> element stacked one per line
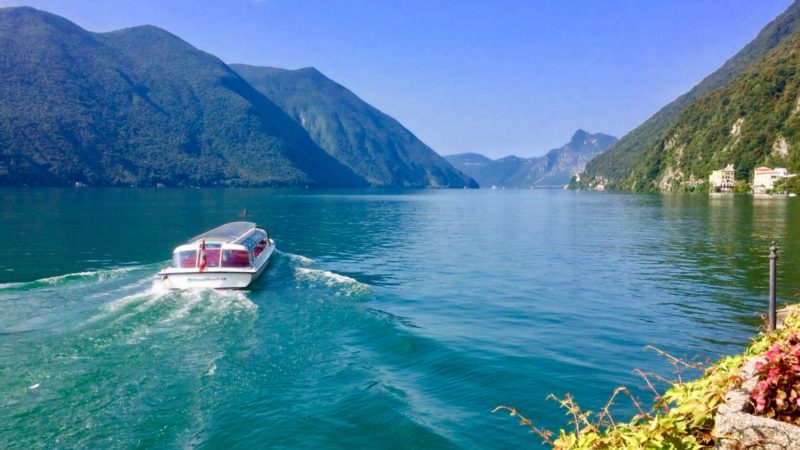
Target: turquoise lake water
<point>388,319</point>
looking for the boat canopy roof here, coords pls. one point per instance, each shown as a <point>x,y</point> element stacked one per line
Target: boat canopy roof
<point>228,233</point>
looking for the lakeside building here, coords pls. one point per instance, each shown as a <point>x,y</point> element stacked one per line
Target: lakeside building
<point>765,178</point>
<point>722,180</point>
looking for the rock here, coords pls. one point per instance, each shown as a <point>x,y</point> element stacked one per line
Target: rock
<point>736,428</point>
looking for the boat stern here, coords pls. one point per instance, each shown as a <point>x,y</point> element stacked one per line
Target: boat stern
<point>207,280</point>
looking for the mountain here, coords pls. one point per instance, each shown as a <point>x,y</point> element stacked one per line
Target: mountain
<point>624,165</point>
<point>485,171</point>
<point>138,107</point>
<point>555,168</point>
<point>752,120</point>
<point>372,144</point>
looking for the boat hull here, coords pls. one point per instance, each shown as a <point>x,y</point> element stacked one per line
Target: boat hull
<point>215,278</point>
<point>208,280</point>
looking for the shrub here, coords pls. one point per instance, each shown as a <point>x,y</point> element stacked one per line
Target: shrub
<point>683,417</point>
<point>776,393</point>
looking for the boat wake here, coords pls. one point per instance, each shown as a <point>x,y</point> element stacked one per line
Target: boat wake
<point>85,276</point>
<point>308,274</point>
<point>343,285</point>
<point>124,295</point>
<point>119,347</point>
<point>172,306</point>
<point>301,260</point>
<point>113,297</point>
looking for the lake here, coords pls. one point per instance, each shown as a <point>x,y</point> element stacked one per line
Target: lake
<point>391,319</point>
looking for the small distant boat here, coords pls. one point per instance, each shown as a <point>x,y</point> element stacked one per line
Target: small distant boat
<point>231,256</point>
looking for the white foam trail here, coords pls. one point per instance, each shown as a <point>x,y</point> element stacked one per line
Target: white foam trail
<point>189,299</point>
<point>224,300</point>
<point>156,290</point>
<point>99,275</point>
<point>331,279</point>
<point>144,298</point>
<point>58,278</point>
<point>127,287</point>
<point>300,259</point>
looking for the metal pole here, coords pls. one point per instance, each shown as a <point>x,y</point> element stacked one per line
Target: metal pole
<point>773,263</point>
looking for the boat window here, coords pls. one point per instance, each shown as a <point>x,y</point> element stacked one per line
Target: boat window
<point>185,259</point>
<point>253,238</point>
<point>235,258</point>
<point>260,247</point>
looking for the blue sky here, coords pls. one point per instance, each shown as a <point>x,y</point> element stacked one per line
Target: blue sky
<point>495,77</point>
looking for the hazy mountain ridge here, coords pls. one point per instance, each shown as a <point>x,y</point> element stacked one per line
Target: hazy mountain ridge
<point>371,143</point>
<point>555,168</point>
<point>615,168</point>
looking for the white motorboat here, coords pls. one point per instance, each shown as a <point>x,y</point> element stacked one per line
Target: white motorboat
<point>231,256</point>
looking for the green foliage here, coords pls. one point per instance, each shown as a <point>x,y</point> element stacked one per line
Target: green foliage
<point>683,417</point>
<point>372,144</point>
<point>692,135</point>
<point>741,187</point>
<point>139,107</point>
<point>787,185</point>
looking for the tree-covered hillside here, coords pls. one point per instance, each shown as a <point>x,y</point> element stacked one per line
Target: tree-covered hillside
<point>615,167</point>
<point>372,144</point>
<point>753,120</point>
<point>139,107</point>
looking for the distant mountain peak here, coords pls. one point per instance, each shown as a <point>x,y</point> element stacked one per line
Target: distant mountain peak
<point>578,138</point>
<point>30,13</point>
<point>29,10</point>
<point>251,70</point>
<point>510,158</point>
<point>151,34</point>
<point>310,70</point>
<point>555,168</point>
<point>146,30</point>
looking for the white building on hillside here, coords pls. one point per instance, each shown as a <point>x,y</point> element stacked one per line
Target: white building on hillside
<point>765,178</point>
<point>723,180</point>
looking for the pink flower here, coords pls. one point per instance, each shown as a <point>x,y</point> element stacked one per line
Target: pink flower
<point>774,352</point>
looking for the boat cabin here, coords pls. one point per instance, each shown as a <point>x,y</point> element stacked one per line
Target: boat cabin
<point>235,245</point>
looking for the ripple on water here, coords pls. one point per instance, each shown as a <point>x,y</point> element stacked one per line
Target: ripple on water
<point>419,313</point>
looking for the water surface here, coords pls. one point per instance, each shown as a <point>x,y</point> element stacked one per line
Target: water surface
<point>393,319</point>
